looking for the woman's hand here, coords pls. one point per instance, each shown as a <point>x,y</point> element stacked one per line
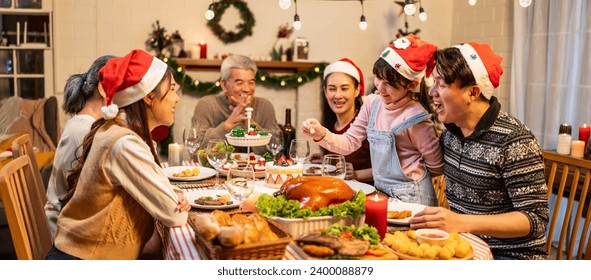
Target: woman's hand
<point>316,158</point>
<point>437,217</point>
<point>314,129</point>
<point>183,204</point>
<point>350,175</point>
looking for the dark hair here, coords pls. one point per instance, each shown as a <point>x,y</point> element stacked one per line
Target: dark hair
<point>136,120</point>
<point>383,70</point>
<point>452,66</point>
<point>329,118</point>
<point>81,87</point>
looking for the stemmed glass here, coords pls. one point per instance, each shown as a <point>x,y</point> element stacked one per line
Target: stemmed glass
<point>192,141</point>
<point>299,150</point>
<point>217,153</point>
<point>333,165</point>
<point>275,145</point>
<point>240,183</point>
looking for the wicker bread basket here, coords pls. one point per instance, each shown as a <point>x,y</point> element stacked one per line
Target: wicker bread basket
<point>273,250</point>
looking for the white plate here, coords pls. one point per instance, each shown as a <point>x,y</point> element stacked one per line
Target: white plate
<point>203,174</point>
<point>318,171</point>
<point>356,185</point>
<point>193,195</point>
<point>397,205</point>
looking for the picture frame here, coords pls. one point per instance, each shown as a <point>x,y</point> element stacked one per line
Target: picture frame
<point>301,48</point>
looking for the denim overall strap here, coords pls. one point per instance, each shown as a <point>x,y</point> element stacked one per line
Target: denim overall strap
<point>387,171</point>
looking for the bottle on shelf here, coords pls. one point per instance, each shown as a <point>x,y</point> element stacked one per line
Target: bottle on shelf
<point>564,139</point>
<point>289,132</point>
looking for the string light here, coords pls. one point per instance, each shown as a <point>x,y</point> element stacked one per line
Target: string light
<point>525,3</point>
<point>284,4</point>
<point>410,7</point>
<point>422,14</point>
<point>209,14</point>
<point>362,22</point>
<point>472,2</point>
<point>297,24</point>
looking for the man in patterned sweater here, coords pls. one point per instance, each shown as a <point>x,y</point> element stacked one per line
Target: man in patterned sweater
<point>493,164</point>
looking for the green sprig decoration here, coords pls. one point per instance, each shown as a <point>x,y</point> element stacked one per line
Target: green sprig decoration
<point>284,81</point>
<point>244,28</point>
<point>158,40</point>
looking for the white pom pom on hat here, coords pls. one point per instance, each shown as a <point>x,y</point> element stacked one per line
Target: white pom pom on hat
<point>347,66</point>
<point>485,65</point>
<point>128,79</point>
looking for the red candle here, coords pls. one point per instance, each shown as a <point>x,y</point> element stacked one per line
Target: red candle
<point>203,49</point>
<point>584,132</point>
<point>376,213</point>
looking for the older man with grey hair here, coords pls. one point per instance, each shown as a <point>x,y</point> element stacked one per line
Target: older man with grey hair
<point>216,115</point>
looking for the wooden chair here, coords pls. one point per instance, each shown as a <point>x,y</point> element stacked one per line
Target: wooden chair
<point>439,185</point>
<point>569,178</point>
<point>23,146</point>
<point>24,210</point>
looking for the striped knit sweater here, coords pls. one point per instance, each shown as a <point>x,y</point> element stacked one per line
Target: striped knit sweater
<point>498,169</point>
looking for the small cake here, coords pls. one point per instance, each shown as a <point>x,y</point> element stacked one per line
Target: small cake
<point>231,164</point>
<point>278,172</point>
<point>260,166</point>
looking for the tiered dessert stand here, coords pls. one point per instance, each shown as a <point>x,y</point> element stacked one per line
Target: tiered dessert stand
<point>246,141</point>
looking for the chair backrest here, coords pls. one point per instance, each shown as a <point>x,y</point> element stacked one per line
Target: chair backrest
<point>439,185</point>
<point>568,178</point>
<point>23,205</point>
<point>23,146</point>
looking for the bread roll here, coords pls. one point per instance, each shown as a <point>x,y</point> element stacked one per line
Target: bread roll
<point>222,217</point>
<point>251,234</point>
<point>231,236</point>
<point>205,226</point>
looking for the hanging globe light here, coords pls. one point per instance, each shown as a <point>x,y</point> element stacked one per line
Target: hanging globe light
<point>410,8</point>
<point>297,24</point>
<point>209,14</point>
<point>284,4</point>
<point>422,14</point>
<point>472,2</point>
<point>362,23</point>
<point>525,3</point>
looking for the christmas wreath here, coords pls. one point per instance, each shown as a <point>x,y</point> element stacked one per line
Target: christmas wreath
<point>244,28</point>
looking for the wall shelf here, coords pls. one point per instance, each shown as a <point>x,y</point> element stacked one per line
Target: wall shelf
<point>213,65</point>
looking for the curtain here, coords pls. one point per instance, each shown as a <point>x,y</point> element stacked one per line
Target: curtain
<point>551,67</point>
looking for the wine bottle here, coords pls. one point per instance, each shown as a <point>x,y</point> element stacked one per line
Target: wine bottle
<point>289,132</point>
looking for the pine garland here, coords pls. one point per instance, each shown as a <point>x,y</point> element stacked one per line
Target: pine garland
<point>245,28</point>
<point>285,81</point>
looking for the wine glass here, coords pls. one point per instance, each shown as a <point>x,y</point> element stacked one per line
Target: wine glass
<point>240,183</point>
<point>217,153</point>
<point>334,165</point>
<point>299,150</point>
<point>275,145</point>
<point>192,141</point>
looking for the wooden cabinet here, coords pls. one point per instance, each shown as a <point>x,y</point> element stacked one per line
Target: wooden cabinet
<point>26,48</point>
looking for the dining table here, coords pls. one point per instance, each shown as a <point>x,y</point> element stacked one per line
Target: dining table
<point>179,243</point>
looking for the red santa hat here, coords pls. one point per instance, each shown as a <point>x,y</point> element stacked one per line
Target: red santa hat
<point>128,79</point>
<point>412,57</point>
<point>485,65</point>
<point>347,66</point>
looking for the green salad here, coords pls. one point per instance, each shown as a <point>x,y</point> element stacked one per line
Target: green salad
<point>364,232</point>
<point>203,154</point>
<point>279,206</point>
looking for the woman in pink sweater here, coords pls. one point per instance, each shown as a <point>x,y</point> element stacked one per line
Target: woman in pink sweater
<point>404,146</point>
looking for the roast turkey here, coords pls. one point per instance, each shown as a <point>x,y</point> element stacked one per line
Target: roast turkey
<point>316,191</point>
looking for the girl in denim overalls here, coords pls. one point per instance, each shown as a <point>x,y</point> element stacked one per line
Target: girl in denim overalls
<point>405,151</point>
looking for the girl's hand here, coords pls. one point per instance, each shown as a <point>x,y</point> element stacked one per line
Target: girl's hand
<point>437,217</point>
<point>183,204</point>
<point>314,129</point>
